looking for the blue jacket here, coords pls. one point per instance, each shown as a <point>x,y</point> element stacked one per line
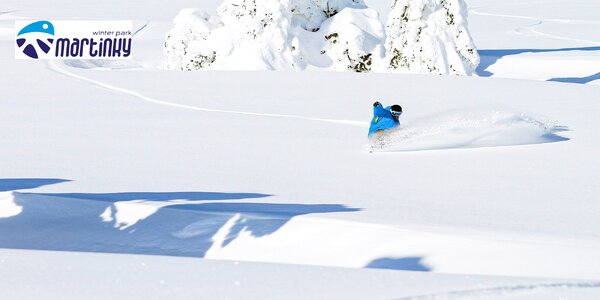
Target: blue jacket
<point>382,119</point>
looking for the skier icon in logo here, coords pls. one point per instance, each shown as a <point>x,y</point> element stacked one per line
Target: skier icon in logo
<point>39,31</point>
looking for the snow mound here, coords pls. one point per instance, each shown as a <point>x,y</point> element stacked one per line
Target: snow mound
<point>471,130</point>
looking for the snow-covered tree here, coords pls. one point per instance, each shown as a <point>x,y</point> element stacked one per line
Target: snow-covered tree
<point>275,35</point>
<point>430,36</point>
<point>245,34</point>
<point>354,40</point>
<point>312,13</point>
<point>337,34</point>
<point>185,46</point>
<point>249,19</point>
<point>254,35</point>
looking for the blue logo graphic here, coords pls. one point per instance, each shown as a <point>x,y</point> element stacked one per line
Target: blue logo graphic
<point>27,45</point>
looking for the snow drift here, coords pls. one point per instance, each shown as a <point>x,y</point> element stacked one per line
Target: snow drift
<point>341,35</point>
<point>471,129</point>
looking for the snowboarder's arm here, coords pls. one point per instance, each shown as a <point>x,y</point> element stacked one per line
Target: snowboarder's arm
<point>378,109</point>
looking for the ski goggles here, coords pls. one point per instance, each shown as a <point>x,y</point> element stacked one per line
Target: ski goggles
<point>396,113</point>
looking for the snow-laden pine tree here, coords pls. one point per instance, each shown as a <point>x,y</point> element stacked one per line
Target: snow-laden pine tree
<point>186,46</point>
<point>312,13</point>
<point>275,35</point>
<point>245,35</point>
<point>354,40</point>
<point>427,36</point>
<point>343,35</point>
<point>254,35</point>
<point>430,36</point>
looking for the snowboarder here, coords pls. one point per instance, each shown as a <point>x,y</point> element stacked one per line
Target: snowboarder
<point>384,119</point>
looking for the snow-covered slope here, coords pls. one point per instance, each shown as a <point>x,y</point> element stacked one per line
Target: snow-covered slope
<point>101,276</point>
<point>550,40</point>
<point>491,176</point>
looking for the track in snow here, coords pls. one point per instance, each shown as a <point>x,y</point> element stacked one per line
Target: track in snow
<point>504,290</point>
<point>538,22</point>
<point>53,66</point>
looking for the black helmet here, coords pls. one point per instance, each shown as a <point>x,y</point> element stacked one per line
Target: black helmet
<point>396,110</point>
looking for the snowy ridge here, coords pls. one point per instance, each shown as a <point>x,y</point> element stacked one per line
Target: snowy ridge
<point>311,240</point>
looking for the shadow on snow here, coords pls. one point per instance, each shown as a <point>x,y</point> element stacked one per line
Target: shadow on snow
<point>490,57</point>
<point>404,264</point>
<point>12,184</point>
<point>580,80</point>
<point>157,196</point>
<point>169,223</point>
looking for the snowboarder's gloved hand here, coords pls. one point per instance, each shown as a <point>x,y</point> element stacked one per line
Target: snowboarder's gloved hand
<point>376,103</point>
